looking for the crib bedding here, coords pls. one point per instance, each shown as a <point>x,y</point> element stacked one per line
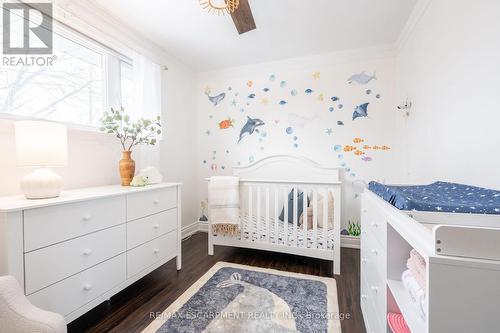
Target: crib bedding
<point>249,231</point>
<point>440,197</point>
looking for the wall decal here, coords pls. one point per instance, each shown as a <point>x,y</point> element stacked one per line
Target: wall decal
<point>272,77</point>
<point>331,109</point>
<point>265,89</point>
<point>250,83</point>
<point>359,153</point>
<point>282,102</point>
<point>358,140</point>
<point>289,130</point>
<point>316,75</point>
<point>361,78</point>
<point>250,126</point>
<point>215,99</point>
<point>377,96</point>
<point>264,101</point>
<point>283,84</point>
<point>321,97</point>
<point>299,121</point>
<point>337,148</point>
<point>366,159</point>
<point>308,91</point>
<point>226,123</point>
<point>294,92</point>
<point>251,95</point>
<point>340,106</point>
<point>233,102</point>
<point>360,111</point>
<point>334,98</point>
<point>207,132</point>
<point>340,123</point>
<point>368,91</point>
<point>329,131</point>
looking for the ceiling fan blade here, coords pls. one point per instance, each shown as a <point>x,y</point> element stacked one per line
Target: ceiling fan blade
<point>243,18</point>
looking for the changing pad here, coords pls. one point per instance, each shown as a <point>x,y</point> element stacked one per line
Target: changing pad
<point>440,197</point>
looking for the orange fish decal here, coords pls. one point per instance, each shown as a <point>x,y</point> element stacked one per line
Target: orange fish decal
<point>366,147</point>
<point>225,124</point>
<point>377,147</point>
<point>349,148</point>
<point>385,148</point>
<point>358,152</point>
<point>250,83</point>
<point>357,140</point>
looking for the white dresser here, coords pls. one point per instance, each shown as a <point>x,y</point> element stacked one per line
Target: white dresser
<point>73,252</point>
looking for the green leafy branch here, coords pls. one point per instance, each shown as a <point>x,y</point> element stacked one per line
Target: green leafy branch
<point>130,134</point>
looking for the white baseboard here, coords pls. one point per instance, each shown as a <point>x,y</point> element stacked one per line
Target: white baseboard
<point>202,226</point>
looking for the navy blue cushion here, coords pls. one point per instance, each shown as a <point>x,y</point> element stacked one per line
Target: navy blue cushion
<point>300,207</point>
<point>440,197</point>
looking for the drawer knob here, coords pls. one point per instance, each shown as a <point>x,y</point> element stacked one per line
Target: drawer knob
<point>87,286</point>
<point>86,218</point>
<point>375,225</point>
<point>375,252</point>
<point>363,261</point>
<point>375,289</point>
<point>156,226</point>
<point>363,297</point>
<point>87,252</point>
<point>156,251</point>
<point>156,201</point>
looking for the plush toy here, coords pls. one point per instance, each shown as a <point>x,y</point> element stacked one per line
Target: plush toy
<point>152,175</point>
<point>139,180</point>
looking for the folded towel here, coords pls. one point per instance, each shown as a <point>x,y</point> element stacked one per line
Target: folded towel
<point>418,259</point>
<point>416,293</point>
<point>224,205</point>
<point>418,271</point>
<point>397,323</point>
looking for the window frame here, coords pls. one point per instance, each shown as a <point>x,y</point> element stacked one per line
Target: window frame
<point>109,55</point>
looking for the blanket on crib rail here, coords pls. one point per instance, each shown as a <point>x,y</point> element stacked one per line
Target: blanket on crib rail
<point>224,204</point>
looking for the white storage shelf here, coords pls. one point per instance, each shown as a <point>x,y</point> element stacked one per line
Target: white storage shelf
<point>466,304</point>
<point>406,306</point>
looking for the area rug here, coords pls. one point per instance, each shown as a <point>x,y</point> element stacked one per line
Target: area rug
<point>238,298</point>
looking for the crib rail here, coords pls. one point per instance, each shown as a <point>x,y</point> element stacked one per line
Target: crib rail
<point>297,214</point>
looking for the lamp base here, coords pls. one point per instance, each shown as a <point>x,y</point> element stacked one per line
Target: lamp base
<point>41,184</point>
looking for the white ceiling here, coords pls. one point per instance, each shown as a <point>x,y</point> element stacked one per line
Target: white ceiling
<point>285,28</point>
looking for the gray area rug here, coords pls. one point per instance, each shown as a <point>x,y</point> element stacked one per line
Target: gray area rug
<point>238,298</point>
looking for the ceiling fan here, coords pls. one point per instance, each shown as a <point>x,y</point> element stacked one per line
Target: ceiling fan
<point>238,9</point>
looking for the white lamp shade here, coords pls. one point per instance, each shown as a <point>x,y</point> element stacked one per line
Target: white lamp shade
<point>41,144</point>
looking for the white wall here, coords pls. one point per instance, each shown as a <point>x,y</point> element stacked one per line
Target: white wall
<point>313,141</point>
<point>93,157</point>
<point>449,66</point>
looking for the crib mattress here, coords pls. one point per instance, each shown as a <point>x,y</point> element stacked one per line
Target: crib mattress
<point>440,197</point>
<point>250,231</point>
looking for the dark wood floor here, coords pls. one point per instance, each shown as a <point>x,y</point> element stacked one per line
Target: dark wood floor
<point>129,310</point>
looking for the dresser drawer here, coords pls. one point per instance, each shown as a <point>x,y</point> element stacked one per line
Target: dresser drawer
<point>54,263</point>
<point>140,258</point>
<point>50,225</point>
<point>374,222</point>
<point>70,294</point>
<point>374,255</point>
<point>147,228</point>
<point>150,202</point>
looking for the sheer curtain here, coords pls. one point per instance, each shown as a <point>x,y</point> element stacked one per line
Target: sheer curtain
<point>147,77</point>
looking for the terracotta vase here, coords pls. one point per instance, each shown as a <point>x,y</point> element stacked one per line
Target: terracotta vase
<point>127,168</point>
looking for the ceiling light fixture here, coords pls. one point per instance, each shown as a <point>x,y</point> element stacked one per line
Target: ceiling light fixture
<point>220,6</point>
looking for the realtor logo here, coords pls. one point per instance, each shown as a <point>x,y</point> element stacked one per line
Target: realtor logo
<point>27,28</point>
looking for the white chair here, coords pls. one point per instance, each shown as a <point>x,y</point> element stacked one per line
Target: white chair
<point>18,315</point>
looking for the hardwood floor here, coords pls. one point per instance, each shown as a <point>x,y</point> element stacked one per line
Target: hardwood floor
<point>129,310</point>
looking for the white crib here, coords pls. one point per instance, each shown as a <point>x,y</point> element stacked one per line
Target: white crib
<point>264,189</point>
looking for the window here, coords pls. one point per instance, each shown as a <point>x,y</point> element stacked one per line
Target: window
<point>75,89</point>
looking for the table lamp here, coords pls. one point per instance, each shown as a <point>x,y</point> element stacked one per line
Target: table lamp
<point>41,144</point>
